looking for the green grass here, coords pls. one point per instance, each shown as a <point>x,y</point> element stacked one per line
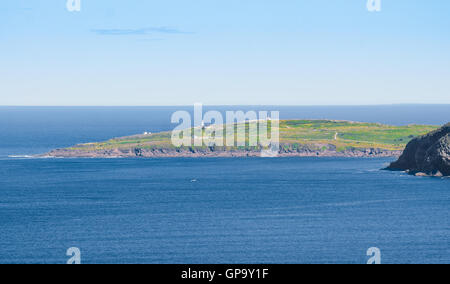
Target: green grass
<point>351,134</point>
<point>294,134</point>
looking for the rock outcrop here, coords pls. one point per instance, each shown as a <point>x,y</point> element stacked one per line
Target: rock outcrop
<point>428,155</point>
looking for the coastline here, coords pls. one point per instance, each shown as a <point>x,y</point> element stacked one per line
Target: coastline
<point>196,153</point>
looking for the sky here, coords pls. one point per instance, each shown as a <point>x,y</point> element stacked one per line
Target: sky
<point>224,52</point>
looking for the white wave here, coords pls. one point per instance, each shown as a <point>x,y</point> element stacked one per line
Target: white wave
<point>20,156</point>
<point>29,157</point>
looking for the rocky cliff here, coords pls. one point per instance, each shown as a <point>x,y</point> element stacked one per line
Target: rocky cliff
<point>286,150</point>
<point>427,155</point>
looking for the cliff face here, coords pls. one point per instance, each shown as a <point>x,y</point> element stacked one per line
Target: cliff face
<point>286,150</point>
<point>427,155</point>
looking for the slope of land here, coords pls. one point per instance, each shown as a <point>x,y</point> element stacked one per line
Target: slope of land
<point>427,155</point>
<point>297,138</point>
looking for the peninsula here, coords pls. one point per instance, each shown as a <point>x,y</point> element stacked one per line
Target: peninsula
<point>298,138</point>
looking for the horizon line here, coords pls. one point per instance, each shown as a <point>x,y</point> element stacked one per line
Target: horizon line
<point>237,105</point>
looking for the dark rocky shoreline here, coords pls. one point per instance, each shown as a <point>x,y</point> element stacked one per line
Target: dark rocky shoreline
<point>209,152</point>
<point>428,155</point>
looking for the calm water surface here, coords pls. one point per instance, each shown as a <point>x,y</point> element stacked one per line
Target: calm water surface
<point>289,210</point>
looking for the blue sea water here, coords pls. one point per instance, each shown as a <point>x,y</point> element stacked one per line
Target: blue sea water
<point>282,210</point>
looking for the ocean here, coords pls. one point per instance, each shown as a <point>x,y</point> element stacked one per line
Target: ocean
<point>211,210</point>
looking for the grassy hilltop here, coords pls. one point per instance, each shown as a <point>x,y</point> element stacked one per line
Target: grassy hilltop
<point>344,134</point>
<point>315,135</point>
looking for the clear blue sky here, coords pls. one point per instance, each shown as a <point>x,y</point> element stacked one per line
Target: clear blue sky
<point>254,52</point>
